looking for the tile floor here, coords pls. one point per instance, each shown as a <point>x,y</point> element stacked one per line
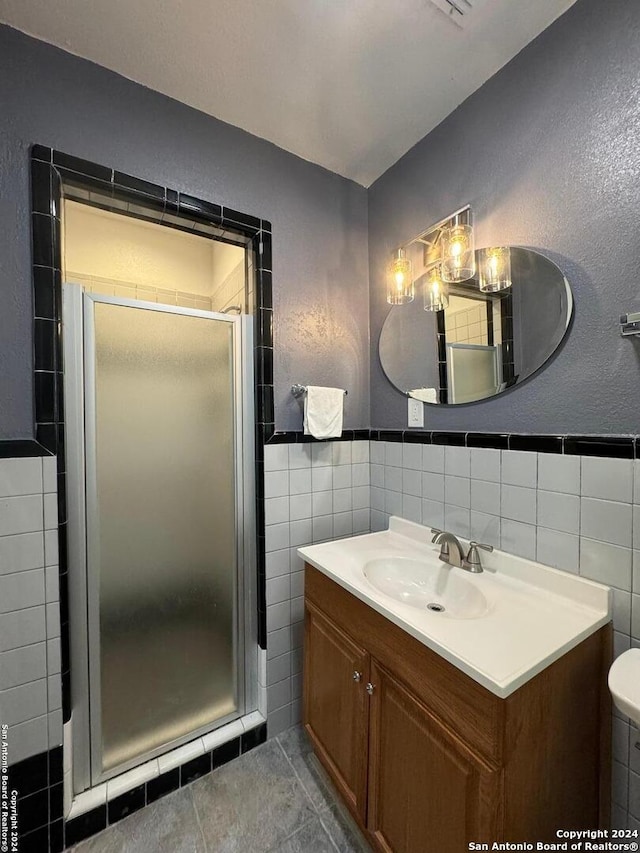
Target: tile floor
<point>274,799</point>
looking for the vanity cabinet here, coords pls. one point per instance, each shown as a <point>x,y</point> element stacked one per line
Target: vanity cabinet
<point>426,759</point>
<point>335,693</point>
<point>425,783</point>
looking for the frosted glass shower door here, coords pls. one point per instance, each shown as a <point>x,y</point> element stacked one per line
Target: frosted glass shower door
<point>160,397</point>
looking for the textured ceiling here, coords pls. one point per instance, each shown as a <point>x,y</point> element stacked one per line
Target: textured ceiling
<point>348,84</point>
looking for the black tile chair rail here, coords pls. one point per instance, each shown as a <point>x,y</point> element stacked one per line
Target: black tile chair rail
<point>621,447</point>
<point>22,448</point>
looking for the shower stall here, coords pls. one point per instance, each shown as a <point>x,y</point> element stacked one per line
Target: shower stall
<point>159,405</point>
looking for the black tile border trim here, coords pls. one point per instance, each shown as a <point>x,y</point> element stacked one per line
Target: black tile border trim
<point>618,447</point>
<point>111,189</point>
<point>107,188</point>
<point>41,777</point>
<point>19,448</point>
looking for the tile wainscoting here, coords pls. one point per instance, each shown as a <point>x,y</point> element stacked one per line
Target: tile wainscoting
<point>30,647</point>
<point>574,505</point>
<point>580,513</point>
<point>313,492</point>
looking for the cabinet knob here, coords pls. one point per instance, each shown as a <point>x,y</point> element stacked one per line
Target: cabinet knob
<point>357,675</point>
<point>369,688</point>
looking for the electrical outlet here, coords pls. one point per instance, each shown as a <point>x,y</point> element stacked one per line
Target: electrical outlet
<point>416,413</point>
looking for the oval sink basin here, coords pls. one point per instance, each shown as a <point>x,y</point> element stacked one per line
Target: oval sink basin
<point>426,587</point>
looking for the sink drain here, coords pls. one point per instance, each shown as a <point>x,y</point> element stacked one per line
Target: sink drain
<point>437,608</point>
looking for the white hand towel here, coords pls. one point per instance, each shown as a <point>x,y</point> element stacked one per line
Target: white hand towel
<point>427,395</point>
<point>323,408</point>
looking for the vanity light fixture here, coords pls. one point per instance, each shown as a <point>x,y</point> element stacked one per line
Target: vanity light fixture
<point>400,288</point>
<point>436,291</point>
<point>457,245</point>
<point>494,269</point>
<point>448,255</point>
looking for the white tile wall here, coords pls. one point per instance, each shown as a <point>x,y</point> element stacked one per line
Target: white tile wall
<point>314,492</point>
<point>30,689</point>
<point>579,514</point>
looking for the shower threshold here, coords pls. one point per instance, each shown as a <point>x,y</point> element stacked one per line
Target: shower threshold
<point>101,794</point>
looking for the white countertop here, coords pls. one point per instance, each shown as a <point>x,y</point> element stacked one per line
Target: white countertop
<point>536,613</point>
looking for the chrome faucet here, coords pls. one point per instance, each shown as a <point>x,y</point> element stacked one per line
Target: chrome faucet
<point>452,552</point>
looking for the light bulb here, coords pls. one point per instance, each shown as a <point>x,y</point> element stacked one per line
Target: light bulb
<point>436,291</point>
<point>458,255</point>
<point>494,265</point>
<point>400,279</point>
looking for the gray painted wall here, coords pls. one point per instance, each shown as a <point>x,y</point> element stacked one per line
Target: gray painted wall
<point>320,271</point>
<point>547,153</point>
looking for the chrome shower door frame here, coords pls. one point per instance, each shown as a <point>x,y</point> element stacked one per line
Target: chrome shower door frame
<point>84,602</point>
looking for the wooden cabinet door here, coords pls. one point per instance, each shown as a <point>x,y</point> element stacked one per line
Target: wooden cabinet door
<point>427,792</point>
<point>336,705</point>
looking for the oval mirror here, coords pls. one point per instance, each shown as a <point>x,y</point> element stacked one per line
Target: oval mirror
<point>482,343</point>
